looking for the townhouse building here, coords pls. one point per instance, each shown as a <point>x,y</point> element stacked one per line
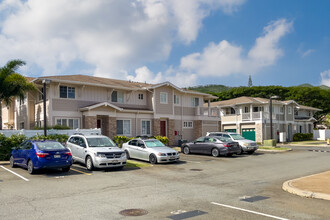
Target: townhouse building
<point>250,116</point>
<point>118,107</point>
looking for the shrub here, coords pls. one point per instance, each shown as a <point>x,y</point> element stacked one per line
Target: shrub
<point>163,139</point>
<point>55,127</point>
<point>119,140</point>
<point>62,138</point>
<point>302,137</point>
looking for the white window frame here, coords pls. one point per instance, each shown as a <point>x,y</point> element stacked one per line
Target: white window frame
<point>281,109</point>
<point>140,96</point>
<point>193,101</point>
<point>67,122</point>
<point>142,133</point>
<point>163,95</point>
<point>289,110</point>
<point>176,99</point>
<point>130,127</point>
<point>119,99</point>
<point>67,92</point>
<point>188,124</point>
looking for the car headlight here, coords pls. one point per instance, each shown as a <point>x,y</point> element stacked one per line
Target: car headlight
<point>161,154</point>
<point>123,154</point>
<point>246,144</point>
<point>100,155</point>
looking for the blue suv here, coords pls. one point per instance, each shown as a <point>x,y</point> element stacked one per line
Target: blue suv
<point>35,155</point>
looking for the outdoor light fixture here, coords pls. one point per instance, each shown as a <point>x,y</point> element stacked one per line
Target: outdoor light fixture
<point>271,114</point>
<point>45,82</point>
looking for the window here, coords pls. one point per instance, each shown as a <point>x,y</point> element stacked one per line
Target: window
<point>188,124</point>
<point>281,109</point>
<point>246,109</point>
<point>194,102</point>
<point>176,99</point>
<point>117,97</point>
<point>289,110</point>
<point>124,127</point>
<point>67,92</point>
<point>163,97</point>
<point>70,122</point>
<point>146,129</point>
<point>41,94</point>
<point>141,96</point>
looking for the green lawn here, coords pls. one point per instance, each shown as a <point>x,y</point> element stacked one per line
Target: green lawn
<point>136,164</point>
<point>312,142</point>
<point>274,148</point>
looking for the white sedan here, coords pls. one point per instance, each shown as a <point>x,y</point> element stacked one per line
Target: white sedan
<point>151,150</point>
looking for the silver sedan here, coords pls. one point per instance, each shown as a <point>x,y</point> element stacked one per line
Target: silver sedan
<point>151,150</point>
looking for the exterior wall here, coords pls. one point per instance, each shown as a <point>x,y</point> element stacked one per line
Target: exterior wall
<point>156,127</point>
<point>170,133</point>
<point>209,126</point>
<point>198,129</point>
<point>90,122</point>
<point>112,127</point>
<point>164,108</point>
<point>259,132</point>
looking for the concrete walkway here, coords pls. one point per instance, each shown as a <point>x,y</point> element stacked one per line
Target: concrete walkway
<point>315,186</point>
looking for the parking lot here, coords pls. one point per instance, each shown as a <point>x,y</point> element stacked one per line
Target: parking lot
<point>197,187</point>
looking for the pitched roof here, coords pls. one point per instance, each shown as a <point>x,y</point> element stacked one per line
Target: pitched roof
<point>308,108</point>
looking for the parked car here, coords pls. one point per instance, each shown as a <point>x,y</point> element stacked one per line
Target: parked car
<point>35,155</point>
<point>246,145</point>
<point>151,150</point>
<point>212,145</point>
<point>96,151</point>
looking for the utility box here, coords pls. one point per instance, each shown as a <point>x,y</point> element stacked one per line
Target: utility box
<point>282,137</point>
<point>270,143</point>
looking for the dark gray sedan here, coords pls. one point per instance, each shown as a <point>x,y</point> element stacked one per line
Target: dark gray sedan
<point>212,145</point>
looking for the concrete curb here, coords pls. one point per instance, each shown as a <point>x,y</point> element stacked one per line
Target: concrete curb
<point>288,187</point>
<point>274,151</point>
<point>309,145</point>
<point>4,162</point>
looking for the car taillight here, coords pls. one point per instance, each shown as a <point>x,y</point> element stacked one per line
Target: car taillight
<point>68,153</point>
<point>227,145</point>
<point>42,154</point>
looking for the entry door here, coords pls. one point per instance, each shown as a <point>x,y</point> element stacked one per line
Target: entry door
<point>162,128</point>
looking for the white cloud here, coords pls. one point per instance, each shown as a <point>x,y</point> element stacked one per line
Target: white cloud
<point>325,76</point>
<point>307,52</point>
<point>110,35</point>
<point>225,58</point>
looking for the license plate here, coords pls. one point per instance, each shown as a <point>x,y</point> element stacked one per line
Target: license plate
<point>115,161</point>
<point>57,156</point>
<point>172,157</point>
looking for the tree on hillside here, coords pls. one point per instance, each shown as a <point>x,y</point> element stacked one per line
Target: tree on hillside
<point>12,84</point>
<point>250,81</point>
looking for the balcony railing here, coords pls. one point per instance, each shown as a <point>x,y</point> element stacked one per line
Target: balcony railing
<point>205,111</point>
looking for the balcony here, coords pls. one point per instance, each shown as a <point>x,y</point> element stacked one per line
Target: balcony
<point>205,111</point>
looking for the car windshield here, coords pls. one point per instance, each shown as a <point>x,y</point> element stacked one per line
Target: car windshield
<point>237,137</point>
<point>154,143</point>
<point>50,146</point>
<point>100,142</point>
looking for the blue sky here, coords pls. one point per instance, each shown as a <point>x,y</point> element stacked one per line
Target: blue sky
<point>277,42</point>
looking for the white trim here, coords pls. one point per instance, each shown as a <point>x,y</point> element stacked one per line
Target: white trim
<point>99,105</point>
<point>187,124</point>
<point>160,97</point>
<point>142,120</point>
<point>130,126</point>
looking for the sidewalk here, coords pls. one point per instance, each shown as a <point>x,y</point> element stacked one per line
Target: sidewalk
<point>315,186</point>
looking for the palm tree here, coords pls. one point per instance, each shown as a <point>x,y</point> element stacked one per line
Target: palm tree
<point>12,84</point>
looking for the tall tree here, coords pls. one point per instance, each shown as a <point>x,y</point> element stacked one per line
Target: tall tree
<point>12,84</point>
<point>250,81</point>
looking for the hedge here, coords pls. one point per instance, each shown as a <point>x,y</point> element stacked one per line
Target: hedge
<point>302,137</point>
<point>7,143</point>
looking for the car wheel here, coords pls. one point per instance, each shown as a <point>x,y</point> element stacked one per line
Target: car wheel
<point>186,150</point>
<point>12,163</point>
<point>65,169</point>
<point>215,152</point>
<point>153,159</point>
<point>127,155</point>
<point>89,163</point>
<point>250,152</point>
<point>31,169</point>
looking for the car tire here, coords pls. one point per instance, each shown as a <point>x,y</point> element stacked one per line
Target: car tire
<point>89,163</point>
<point>65,169</point>
<point>250,152</point>
<point>215,152</point>
<point>153,159</point>
<point>127,155</point>
<point>186,150</point>
<point>30,167</point>
<point>12,163</point>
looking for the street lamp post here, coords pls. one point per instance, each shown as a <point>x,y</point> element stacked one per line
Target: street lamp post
<point>271,114</point>
<point>44,82</point>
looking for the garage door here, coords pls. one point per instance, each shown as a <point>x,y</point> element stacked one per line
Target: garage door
<point>230,130</point>
<point>249,133</point>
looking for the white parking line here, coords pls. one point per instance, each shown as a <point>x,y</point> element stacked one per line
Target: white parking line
<point>15,173</point>
<point>245,210</point>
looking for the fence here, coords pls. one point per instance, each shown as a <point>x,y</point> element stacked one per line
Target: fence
<point>321,135</point>
<point>31,133</point>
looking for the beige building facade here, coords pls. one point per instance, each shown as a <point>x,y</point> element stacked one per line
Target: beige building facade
<point>118,107</point>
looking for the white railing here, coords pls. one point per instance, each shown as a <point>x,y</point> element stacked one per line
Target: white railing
<point>246,117</point>
<point>205,111</point>
<point>31,133</point>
